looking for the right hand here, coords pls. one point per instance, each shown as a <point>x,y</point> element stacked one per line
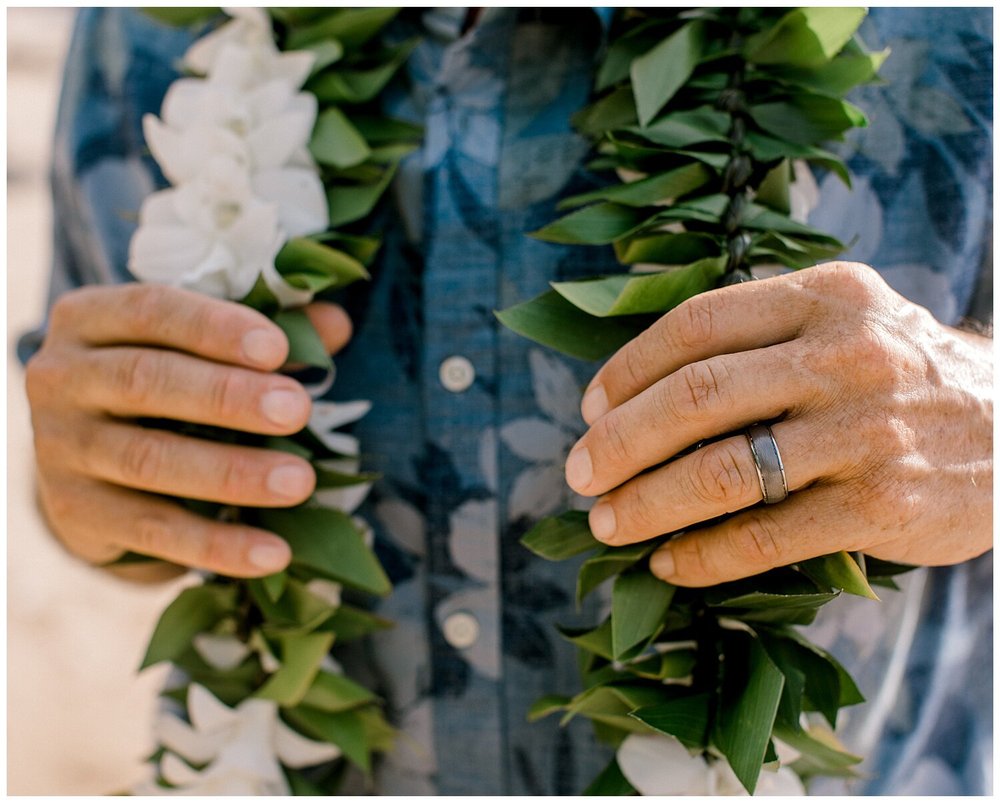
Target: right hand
<point>114,354</point>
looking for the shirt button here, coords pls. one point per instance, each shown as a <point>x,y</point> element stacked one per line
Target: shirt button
<point>461,630</point>
<point>456,374</point>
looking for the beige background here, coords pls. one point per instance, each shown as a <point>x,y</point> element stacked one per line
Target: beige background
<point>78,716</point>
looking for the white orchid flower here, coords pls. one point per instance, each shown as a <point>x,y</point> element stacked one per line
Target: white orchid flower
<point>660,765</point>
<point>212,234</point>
<point>267,126</point>
<point>243,52</point>
<point>241,746</point>
<point>328,416</point>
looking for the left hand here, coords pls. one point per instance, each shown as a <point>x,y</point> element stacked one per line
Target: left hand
<point>882,415</point>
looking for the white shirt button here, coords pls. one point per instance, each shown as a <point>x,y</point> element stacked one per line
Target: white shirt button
<point>461,630</point>
<point>456,374</point>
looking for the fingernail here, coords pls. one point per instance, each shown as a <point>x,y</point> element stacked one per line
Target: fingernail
<point>602,521</point>
<point>270,556</point>
<point>263,347</point>
<point>579,469</point>
<point>283,407</point>
<point>662,563</point>
<point>291,481</point>
<point>594,404</point>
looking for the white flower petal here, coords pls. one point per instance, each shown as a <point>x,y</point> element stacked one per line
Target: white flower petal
<point>165,254</point>
<point>330,415</point>
<point>296,751</point>
<point>220,651</point>
<point>783,782</point>
<point>208,713</point>
<point>347,499</point>
<point>536,439</point>
<point>288,296</point>
<point>661,765</point>
<point>277,137</point>
<point>175,734</point>
<point>299,196</point>
<point>177,772</point>
<point>293,67</point>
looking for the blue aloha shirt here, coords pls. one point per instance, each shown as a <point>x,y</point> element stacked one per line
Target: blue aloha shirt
<point>465,473</point>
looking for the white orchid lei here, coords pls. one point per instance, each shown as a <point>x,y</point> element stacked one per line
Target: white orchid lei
<point>273,145</point>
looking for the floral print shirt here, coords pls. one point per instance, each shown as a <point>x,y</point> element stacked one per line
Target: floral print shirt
<point>471,424</point>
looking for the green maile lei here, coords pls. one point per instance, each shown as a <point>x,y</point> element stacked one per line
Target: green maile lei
<point>705,110</point>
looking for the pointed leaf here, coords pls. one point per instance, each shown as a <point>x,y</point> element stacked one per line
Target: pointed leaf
<point>685,718</point>
<point>304,342</point>
<point>808,119</point>
<point>345,729</point>
<point>329,543</point>
<point>300,659</point>
<point>333,693</point>
<point>639,603</point>
<point>560,537</point>
<point>335,141</point>
<point>195,610</point>
<point>658,74</point>
<point>302,254</point>
<point>838,571</point>
<point>647,191</point>
<point>594,225</point>
<point>684,128</point>
<point>551,320</point>
<point>352,27</point>
<point>611,561</point>
<point>546,705</point>
<point>806,36</point>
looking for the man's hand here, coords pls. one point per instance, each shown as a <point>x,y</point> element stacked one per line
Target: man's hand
<point>883,418</point>
<point>114,354</point>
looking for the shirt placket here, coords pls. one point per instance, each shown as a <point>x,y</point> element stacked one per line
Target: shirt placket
<point>459,373</point>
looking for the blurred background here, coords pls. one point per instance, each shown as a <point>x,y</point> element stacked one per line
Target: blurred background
<point>78,716</point>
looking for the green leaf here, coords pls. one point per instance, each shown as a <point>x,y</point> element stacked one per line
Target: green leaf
<point>647,191</point>
<point>684,128</point>
<point>596,640</point>
<point>805,37</point>
<point>358,86</point>
<point>838,571</point>
<point>819,757</point>
<point>551,320</point>
<point>352,27</point>
<point>612,704</point>
<point>762,218</point>
<point>195,610</point>
<point>350,623</point>
<point>685,718</point>
<point>594,225</point>
<point>839,76</point>
<point>182,16</point>
<point>639,602</point>
<point>807,119</point>
<point>624,50</point>
<point>610,781</point>
<point>386,130</point>
<point>773,189</point>
<point>326,52</point>
<point>764,601</point>
<point>672,664</point>
<point>560,537</point>
<point>335,141</point>
<point>304,343</point>
<point>611,561</point>
<point>549,704</point>
<point>668,249</point>
<point>275,585</point>
<point>613,111</point>
<point>330,478</point>
<point>301,655</point>
<point>633,294</point>
<point>768,149</point>
<point>329,543</point>
<point>751,691</point>
<point>296,610</point>
<point>658,74</point>
<point>333,693</point>
<point>348,204</point>
<point>302,254</point>
<point>345,729</point>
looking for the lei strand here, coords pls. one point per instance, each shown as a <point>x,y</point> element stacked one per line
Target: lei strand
<point>702,113</point>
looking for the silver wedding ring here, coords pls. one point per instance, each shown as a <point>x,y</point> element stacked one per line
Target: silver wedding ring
<point>767,459</point>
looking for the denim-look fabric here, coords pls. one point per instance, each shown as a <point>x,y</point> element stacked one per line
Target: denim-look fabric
<point>464,473</point>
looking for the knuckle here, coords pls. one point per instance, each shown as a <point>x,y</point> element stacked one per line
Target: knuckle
<point>693,559</point>
<point>701,390</point>
<point>152,534</point>
<point>227,394</point>
<point>695,322</point>
<point>633,364</point>
<point>136,375</point>
<point>614,444</point>
<point>640,514</point>
<point>755,542</point>
<point>44,374</point>
<point>143,459</point>
<point>721,477</point>
<point>143,307</point>
<point>235,476</point>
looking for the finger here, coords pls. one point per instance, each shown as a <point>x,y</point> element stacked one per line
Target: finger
<point>168,463</point>
<point>332,324</point>
<point>741,317</point>
<point>814,522</point>
<point>100,522</point>
<point>717,479</point>
<point>698,401</point>
<point>131,382</point>
<point>169,317</point>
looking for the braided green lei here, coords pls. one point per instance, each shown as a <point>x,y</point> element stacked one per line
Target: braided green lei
<point>704,111</point>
